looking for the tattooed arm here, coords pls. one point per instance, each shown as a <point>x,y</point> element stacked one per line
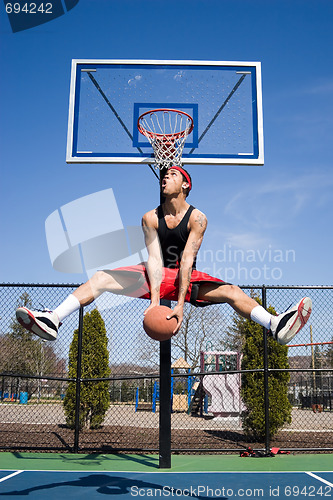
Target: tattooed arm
<point>198,224</point>
<point>155,261</point>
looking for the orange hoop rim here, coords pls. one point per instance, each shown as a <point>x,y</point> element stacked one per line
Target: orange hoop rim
<point>162,137</point>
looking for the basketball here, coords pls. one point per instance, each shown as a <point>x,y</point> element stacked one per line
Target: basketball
<point>156,324</point>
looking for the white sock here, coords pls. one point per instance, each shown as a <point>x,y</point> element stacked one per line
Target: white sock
<point>261,316</point>
<point>67,307</point>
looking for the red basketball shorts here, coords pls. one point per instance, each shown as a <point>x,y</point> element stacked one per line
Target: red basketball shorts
<point>137,283</point>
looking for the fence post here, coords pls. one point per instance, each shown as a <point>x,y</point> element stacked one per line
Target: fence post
<point>78,382</point>
<point>165,385</point>
<point>165,405</point>
<point>266,393</point>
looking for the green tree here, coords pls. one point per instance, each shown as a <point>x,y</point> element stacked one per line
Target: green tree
<point>317,363</point>
<point>94,396</point>
<point>329,354</point>
<point>252,390</point>
<point>20,344</point>
<point>127,392</point>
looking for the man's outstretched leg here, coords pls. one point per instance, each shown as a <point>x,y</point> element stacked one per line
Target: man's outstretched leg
<point>283,327</point>
<point>45,323</point>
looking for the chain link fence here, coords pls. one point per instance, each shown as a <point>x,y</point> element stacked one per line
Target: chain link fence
<point>205,387</point>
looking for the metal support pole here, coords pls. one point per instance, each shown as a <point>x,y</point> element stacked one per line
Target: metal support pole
<point>165,404</point>
<point>266,389</point>
<point>78,383</point>
<point>165,391</point>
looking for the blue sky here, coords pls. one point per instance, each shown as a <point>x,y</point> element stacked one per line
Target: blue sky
<point>269,224</point>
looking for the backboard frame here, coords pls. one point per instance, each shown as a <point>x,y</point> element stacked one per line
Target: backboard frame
<point>251,68</point>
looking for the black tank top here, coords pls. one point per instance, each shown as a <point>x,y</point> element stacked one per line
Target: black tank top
<point>173,241</point>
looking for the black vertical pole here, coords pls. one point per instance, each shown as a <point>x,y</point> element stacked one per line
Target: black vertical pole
<point>165,403</point>
<point>266,393</point>
<point>165,391</point>
<point>78,383</point>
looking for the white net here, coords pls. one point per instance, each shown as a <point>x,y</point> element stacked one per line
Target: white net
<point>166,130</point>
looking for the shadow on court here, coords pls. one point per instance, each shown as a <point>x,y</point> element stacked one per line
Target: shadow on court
<point>94,459</point>
<point>102,483</point>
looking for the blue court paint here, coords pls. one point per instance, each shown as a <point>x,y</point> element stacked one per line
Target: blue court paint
<point>223,485</point>
<point>9,475</point>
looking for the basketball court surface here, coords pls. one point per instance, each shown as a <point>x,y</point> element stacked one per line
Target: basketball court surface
<point>52,476</point>
<point>223,104</point>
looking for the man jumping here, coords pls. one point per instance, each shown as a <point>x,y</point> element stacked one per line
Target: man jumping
<point>173,234</point>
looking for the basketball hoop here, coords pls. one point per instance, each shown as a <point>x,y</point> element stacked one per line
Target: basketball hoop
<point>167,131</point>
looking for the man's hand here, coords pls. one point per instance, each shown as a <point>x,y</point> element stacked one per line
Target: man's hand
<point>151,305</point>
<point>178,313</point>
<point>154,264</point>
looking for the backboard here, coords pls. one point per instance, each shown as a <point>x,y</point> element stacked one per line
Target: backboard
<point>108,96</point>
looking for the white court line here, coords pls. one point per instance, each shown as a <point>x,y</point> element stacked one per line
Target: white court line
<point>320,479</point>
<point>11,475</point>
